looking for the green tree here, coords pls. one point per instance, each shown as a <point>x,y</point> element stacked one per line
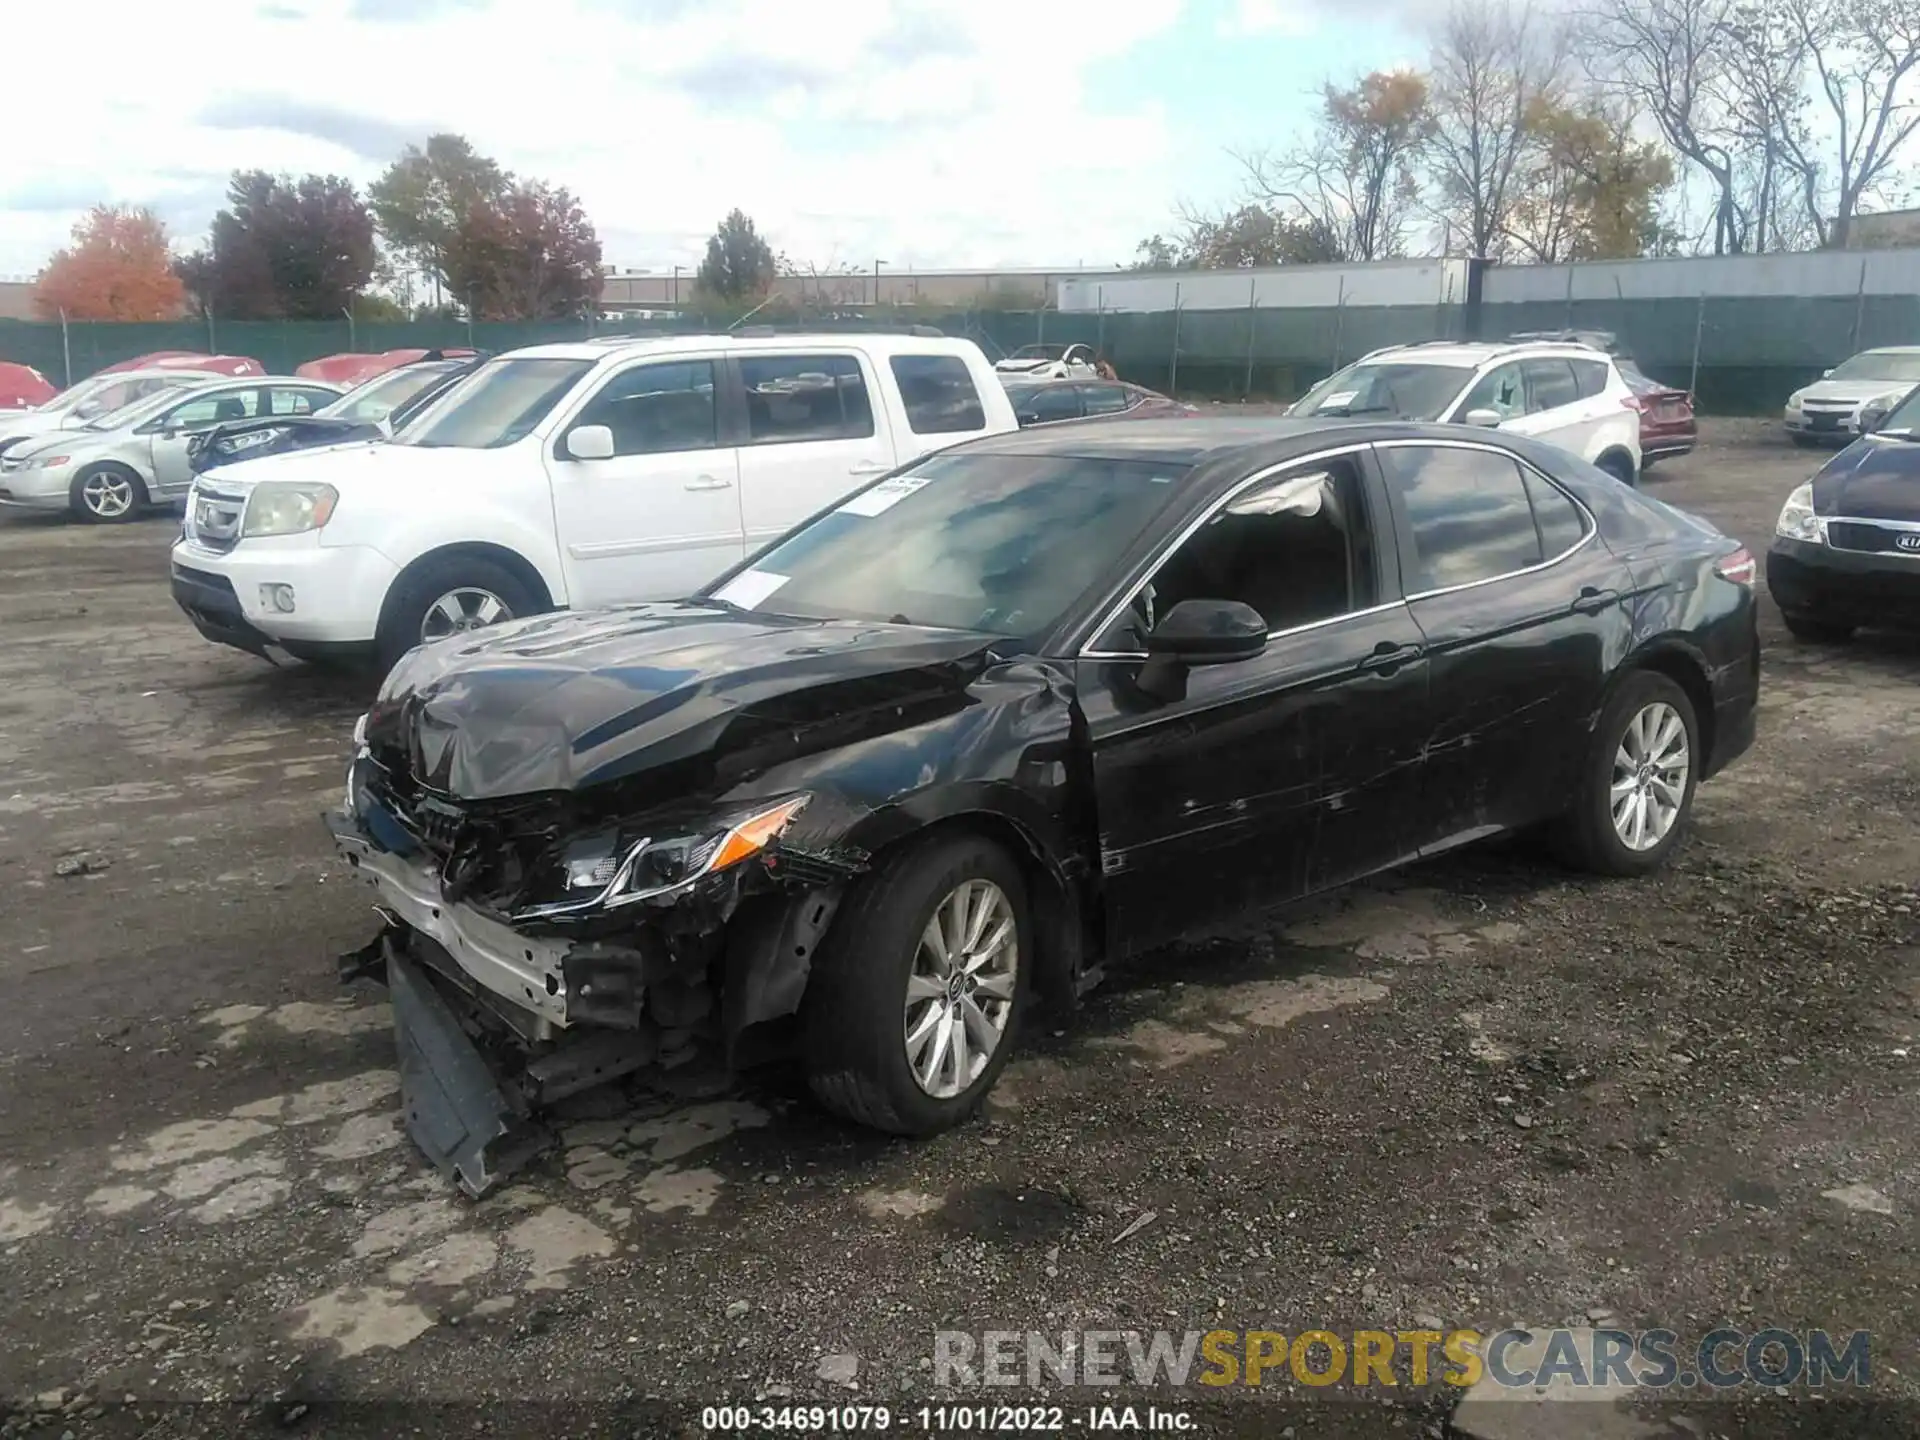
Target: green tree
<point>1247,238</point>
<point>284,249</point>
<point>425,197</point>
<point>1593,191</point>
<point>739,264</point>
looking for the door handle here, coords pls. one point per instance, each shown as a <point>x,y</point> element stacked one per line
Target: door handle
<point>1592,601</point>
<point>709,482</point>
<point>1388,656</point>
<point>868,467</point>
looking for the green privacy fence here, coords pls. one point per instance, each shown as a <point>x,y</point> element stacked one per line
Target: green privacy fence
<point>1739,354</point>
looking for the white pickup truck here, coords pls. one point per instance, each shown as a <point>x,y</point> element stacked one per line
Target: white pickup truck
<point>566,476</point>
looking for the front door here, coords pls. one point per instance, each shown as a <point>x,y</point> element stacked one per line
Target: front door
<point>1524,613</point>
<point>1273,777</point>
<point>811,437</point>
<point>661,516</point>
<point>172,432</point>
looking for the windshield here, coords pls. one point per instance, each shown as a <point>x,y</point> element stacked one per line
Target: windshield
<point>1879,367</point>
<point>1003,544</point>
<point>113,393</point>
<point>1040,352</point>
<point>1397,390</point>
<point>1904,417</point>
<point>498,404</point>
<point>372,402</point>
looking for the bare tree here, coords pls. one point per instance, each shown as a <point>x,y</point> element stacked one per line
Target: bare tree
<point>1673,61</point>
<point>1863,57</point>
<point>1492,62</point>
<point>1353,183</point>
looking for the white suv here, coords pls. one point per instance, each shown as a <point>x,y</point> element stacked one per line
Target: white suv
<point>575,476</point>
<point>1566,393</point>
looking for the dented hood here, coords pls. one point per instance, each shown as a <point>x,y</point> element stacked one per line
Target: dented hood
<point>566,701</point>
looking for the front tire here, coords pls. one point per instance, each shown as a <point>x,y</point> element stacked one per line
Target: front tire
<point>1816,632</point>
<point>448,597</point>
<point>916,998</point>
<point>1637,781</point>
<point>107,495</point>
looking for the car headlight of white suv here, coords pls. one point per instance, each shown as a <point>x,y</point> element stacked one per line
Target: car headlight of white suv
<point>1797,520</point>
<point>283,507</point>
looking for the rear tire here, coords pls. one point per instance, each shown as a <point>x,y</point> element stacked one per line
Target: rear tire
<point>859,1019</point>
<point>1630,768</point>
<point>107,494</point>
<point>1816,632</point>
<point>1621,468</point>
<point>469,586</point>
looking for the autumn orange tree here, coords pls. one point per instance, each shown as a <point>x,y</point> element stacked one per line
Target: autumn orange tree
<point>118,268</point>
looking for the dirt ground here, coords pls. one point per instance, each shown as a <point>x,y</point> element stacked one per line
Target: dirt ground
<point>1487,1093</point>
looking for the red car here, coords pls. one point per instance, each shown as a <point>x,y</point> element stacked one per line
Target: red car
<point>189,360</point>
<point>1050,402</point>
<point>22,387</point>
<point>1667,426</point>
<point>352,368</point>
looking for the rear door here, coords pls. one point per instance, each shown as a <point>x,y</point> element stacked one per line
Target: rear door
<point>1520,605</point>
<point>662,516</point>
<point>809,435</point>
<point>1553,410</point>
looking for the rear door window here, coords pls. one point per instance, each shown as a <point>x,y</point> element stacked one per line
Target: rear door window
<point>1550,384</point>
<point>1048,403</point>
<point>939,394</point>
<point>1591,377</point>
<point>805,397</point>
<point>1467,512</point>
<point>1105,399</point>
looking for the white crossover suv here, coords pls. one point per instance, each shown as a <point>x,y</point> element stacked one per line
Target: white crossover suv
<point>1563,392</point>
<point>566,476</point>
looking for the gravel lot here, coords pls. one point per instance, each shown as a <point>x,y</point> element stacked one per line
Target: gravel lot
<point>1487,1093</point>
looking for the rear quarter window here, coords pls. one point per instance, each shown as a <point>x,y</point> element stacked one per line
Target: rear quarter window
<point>1591,376</point>
<point>939,394</point>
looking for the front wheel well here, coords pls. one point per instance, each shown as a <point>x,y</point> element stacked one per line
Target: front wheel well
<point>510,560</point>
<point>1056,903</point>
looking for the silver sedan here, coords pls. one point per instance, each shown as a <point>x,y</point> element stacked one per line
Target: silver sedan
<point>113,468</point>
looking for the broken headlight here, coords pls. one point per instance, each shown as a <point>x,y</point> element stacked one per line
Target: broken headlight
<point>609,870</point>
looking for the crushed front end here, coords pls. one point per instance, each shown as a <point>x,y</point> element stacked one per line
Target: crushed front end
<point>539,946</point>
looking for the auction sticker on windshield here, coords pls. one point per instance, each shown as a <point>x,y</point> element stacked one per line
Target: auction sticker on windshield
<point>1345,397</point>
<point>750,587</point>
<point>884,496</point>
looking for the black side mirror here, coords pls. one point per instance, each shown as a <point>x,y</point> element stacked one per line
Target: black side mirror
<point>1199,632</point>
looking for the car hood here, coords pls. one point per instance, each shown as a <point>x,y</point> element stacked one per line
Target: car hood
<point>571,700</point>
<point>1852,391</point>
<point>1012,367</point>
<point>1875,478</point>
<point>358,462</point>
<point>22,424</point>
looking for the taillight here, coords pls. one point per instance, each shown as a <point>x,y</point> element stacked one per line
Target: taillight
<point>1739,566</point>
<point>1634,402</point>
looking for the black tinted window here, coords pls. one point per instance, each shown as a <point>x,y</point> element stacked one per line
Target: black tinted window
<point>1046,403</point>
<point>1550,384</point>
<point>1559,520</point>
<point>939,394</point>
<point>805,397</point>
<point>1105,399</point>
<point>1591,376</point>
<point>1293,568</point>
<point>656,409</point>
<point>1468,512</point>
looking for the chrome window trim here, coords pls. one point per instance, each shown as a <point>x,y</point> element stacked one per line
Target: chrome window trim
<point>1165,553</point>
<point>1592,524</point>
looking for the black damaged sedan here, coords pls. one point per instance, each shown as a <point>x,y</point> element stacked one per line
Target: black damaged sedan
<point>1029,705</point>
<point>1846,550</point>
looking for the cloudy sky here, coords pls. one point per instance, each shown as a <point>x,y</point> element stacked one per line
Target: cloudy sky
<point>919,132</point>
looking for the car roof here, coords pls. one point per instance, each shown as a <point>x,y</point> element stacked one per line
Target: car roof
<point>619,348</point>
<point>1261,440</point>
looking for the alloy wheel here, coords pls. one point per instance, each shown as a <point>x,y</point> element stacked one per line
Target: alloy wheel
<point>107,494</point>
<point>1650,770</point>
<point>961,987</point>
<point>461,610</point>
